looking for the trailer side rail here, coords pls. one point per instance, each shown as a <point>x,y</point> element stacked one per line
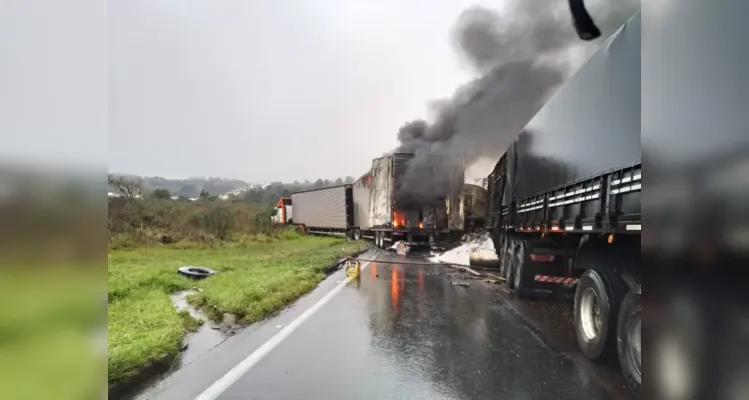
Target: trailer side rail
<point>606,203</point>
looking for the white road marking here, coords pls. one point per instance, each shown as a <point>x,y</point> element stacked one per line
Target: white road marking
<point>234,374</point>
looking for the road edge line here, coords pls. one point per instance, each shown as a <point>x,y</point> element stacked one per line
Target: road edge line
<point>239,370</point>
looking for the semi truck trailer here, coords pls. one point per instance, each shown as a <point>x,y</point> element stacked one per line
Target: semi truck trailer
<point>369,209</point>
<point>564,202</point>
<point>326,211</point>
<point>379,215</point>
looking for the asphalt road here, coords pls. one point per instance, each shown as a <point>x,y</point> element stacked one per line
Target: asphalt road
<point>399,332</point>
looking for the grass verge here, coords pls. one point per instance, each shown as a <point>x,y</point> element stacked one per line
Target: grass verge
<point>48,325</point>
<point>254,280</point>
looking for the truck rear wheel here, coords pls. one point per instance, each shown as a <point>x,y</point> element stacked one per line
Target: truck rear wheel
<point>597,300</point>
<point>507,261</point>
<point>519,276</point>
<point>357,234</point>
<point>629,340</point>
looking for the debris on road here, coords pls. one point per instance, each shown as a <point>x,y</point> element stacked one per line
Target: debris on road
<point>461,284</point>
<point>496,277</point>
<point>400,247</point>
<point>478,249</point>
<point>469,270</point>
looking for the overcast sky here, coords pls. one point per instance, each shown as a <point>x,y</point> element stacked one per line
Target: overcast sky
<point>272,90</point>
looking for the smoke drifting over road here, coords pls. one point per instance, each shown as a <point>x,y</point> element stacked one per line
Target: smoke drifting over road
<point>521,56</point>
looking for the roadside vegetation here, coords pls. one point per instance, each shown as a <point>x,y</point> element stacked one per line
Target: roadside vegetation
<point>261,267</point>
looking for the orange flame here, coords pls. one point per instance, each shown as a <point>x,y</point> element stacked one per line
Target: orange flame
<point>421,225</point>
<point>399,220</point>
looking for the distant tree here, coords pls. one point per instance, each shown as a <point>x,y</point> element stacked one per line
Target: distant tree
<point>188,191</point>
<point>128,188</point>
<point>204,195</point>
<point>338,182</point>
<point>162,194</point>
<point>349,179</point>
<point>183,199</point>
<point>254,196</point>
<point>319,184</point>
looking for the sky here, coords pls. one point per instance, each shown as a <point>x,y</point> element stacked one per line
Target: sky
<point>53,84</point>
<point>272,90</point>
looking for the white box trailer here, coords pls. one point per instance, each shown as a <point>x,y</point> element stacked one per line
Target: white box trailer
<point>327,210</point>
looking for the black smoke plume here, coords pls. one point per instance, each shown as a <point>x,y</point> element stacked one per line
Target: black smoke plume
<point>521,56</point>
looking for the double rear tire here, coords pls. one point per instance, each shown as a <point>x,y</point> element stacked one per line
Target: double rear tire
<point>597,299</point>
<point>514,266</point>
<point>609,322</point>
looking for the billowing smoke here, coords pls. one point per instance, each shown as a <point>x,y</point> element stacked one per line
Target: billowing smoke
<point>521,56</point>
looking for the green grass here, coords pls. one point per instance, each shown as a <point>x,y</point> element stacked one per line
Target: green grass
<point>255,278</point>
<point>46,325</point>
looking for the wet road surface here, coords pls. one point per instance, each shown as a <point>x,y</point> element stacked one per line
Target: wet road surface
<point>399,332</point>
<point>552,318</point>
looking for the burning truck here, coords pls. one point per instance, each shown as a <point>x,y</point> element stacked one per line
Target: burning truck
<point>381,207</point>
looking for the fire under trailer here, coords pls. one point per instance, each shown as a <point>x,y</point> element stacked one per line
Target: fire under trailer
<point>380,217</point>
<point>564,202</point>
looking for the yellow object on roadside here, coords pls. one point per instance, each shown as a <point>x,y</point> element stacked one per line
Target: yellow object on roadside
<point>353,268</point>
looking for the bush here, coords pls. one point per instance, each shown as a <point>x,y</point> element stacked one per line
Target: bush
<point>162,194</point>
<point>151,221</point>
<point>218,219</point>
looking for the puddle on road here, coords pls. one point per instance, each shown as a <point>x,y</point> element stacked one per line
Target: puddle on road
<point>204,339</point>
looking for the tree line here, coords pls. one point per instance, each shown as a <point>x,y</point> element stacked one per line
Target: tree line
<point>274,191</point>
<point>212,189</point>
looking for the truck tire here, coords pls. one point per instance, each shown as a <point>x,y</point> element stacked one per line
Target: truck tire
<point>597,300</point>
<point>520,283</point>
<point>508,260</point>
<point>357,234</point>
<point>629,340</point>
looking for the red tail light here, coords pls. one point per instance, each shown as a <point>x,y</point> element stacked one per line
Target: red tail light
<point>542,257</point>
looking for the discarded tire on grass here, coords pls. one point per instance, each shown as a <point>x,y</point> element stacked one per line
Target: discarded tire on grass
<point>195,272</point>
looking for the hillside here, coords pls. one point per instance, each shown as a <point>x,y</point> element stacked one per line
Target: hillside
<point>191,187</point>
<point>250,193</point>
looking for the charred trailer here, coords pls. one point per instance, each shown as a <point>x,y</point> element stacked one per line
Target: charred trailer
<point>327,211</point>
<point>564,202</point>
<point>381,217</point>
<point>475,200</point>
